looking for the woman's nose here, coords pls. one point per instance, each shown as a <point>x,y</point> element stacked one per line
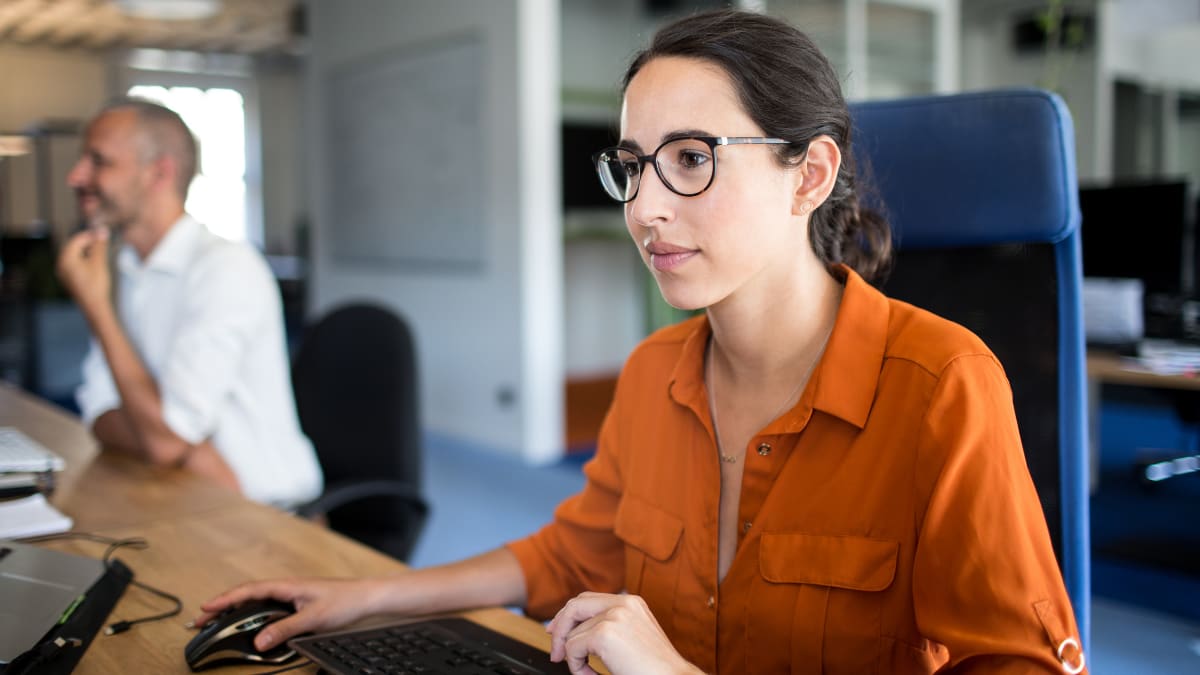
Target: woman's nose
<point>653,203</point>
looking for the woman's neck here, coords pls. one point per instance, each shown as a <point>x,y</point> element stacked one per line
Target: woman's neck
<point>774,335</point>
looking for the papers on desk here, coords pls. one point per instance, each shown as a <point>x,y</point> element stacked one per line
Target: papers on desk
<point>1167,357</point>
<point>30,516</point>
<point>1112,310</point>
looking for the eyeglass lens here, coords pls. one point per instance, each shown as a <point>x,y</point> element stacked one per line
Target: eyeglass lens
<point>685,165</point>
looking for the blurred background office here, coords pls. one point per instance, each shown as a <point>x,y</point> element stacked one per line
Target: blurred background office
<point>431,156</point>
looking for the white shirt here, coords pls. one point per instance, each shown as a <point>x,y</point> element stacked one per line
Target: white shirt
<point>205,316</point>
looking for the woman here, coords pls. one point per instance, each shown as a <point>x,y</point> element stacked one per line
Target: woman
<point>809,477</point>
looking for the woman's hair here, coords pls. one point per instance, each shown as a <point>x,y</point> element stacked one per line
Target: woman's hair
<point>789,89</point>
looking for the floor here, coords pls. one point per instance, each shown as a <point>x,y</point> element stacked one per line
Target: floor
<point>479,501</point>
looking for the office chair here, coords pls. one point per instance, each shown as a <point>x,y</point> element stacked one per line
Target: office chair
<point>982,195</point>
<point>355,380</point>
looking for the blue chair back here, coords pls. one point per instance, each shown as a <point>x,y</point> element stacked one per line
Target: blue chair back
<point>982,195</point>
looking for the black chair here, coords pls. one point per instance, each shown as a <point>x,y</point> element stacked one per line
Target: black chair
<point>981,191</point>
<point>355,379</point>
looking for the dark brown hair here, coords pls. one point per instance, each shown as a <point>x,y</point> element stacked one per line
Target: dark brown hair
<point>787,86</point>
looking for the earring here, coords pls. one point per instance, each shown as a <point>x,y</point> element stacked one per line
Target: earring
<point>806,207</point>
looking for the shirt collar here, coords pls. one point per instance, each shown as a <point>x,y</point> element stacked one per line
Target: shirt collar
<point>172,254</point>
<point>848,373</point>
<point>843,383</point>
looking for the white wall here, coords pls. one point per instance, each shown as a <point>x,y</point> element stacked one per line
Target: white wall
<point>284,156</point>
<point>489,339</point>
<point>990,61</point>
<point>604,305</point>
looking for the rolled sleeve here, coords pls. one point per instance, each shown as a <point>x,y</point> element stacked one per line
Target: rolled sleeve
<point>995,600</point>
<point>98,393</point>
<point>578,551</point>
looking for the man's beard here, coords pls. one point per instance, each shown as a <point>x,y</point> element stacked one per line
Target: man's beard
<point>106,214</point>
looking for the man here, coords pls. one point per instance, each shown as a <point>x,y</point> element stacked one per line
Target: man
<point>189,367</point>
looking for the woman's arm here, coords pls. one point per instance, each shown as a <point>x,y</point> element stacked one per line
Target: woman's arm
<point>490,579</point>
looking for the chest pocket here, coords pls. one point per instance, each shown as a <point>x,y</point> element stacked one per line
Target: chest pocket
<point>651,536</point>
<point>837,583</point>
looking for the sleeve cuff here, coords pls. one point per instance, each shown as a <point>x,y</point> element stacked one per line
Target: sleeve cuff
<point>185,425</point>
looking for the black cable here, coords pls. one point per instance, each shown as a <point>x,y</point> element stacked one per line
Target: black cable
<point>135,543</point>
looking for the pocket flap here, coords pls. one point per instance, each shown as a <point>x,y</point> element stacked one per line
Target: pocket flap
<point>856,563</point>
<point>647,527</point>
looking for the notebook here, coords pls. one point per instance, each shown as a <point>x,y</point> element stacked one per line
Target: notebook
<point>38,587</point>
<point>452,646</point>
<point>31,516</point>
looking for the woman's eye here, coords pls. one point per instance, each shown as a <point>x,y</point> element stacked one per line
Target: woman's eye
<point>631,168</point>
<point>692,159</point>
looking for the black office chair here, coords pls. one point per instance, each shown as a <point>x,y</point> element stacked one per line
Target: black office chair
<point>981,191</point>
<point>355,379</point>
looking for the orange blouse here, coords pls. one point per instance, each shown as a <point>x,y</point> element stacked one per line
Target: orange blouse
<point>889,521</point>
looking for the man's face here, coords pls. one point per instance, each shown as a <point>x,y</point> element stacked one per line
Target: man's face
<point>110,178</point>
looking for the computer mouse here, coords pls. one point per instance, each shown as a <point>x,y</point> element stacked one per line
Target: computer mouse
<point>229,637</point>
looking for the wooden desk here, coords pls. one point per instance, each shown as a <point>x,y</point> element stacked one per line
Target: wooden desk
<point>202,539</point>
<point>1108,368</point>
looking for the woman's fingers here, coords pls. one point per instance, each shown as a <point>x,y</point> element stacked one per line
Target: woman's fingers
<point>577,610</point>
<point>279,589</point>
<point>618,629</point>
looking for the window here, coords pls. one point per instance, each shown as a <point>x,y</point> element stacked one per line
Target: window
<point>217,117</point>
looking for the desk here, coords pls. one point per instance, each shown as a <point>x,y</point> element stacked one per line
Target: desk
<point>202,539</point>
<point>1108,368</point>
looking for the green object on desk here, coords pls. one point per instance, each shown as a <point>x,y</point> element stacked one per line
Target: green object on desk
<point>71,609</point>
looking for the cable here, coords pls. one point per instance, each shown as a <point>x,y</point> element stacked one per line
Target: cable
<point>137,544</point>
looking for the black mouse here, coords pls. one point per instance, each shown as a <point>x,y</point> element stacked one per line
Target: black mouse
<point>229,637</point>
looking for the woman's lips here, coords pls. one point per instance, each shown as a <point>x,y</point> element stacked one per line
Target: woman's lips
<point>666,257</point>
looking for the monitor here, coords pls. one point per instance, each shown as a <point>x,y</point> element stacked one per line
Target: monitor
<point>1139,231</point>
<point>581,187</point>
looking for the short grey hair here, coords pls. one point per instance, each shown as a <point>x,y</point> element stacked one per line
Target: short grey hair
<point>162,132</point>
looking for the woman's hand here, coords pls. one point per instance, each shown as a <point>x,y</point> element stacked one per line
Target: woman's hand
<point>321,605</point>
<point>619,629</point>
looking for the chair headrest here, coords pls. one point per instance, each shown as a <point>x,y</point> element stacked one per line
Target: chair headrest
<point>971,169</point>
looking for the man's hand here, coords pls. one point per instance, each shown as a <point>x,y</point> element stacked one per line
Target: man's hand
<point>83,269</point>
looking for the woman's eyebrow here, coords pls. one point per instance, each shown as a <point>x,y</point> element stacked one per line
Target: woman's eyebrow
<point>683,133</point>
<point>630,144</point>
<point>666,138</point>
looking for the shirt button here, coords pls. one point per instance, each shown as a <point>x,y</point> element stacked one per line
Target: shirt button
<point>764,449</point>
<point>712,602</point>
<point>746,526</point>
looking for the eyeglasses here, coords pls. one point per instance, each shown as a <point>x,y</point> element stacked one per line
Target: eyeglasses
<point>686,165</point>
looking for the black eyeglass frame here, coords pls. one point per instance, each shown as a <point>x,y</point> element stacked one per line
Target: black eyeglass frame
<point>711,141</point>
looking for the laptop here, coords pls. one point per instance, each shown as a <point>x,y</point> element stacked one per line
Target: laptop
<point>452,646</point>
<point>38,588</point>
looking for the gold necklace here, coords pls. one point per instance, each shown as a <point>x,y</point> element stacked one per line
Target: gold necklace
<point>710,379</point>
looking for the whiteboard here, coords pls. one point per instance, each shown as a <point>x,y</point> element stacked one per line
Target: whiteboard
<point>408,156</point>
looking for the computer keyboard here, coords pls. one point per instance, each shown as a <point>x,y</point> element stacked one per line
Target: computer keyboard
<point>19,452</point>
<point>449,646</point>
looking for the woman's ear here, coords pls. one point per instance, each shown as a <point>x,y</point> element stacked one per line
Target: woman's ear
<point>818,174</point>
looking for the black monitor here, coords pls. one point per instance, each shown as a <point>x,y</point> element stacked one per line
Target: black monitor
<point>1138,231</point>
<point>581,187</point>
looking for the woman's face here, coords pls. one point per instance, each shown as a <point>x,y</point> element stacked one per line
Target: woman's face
<point>740,236</point>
